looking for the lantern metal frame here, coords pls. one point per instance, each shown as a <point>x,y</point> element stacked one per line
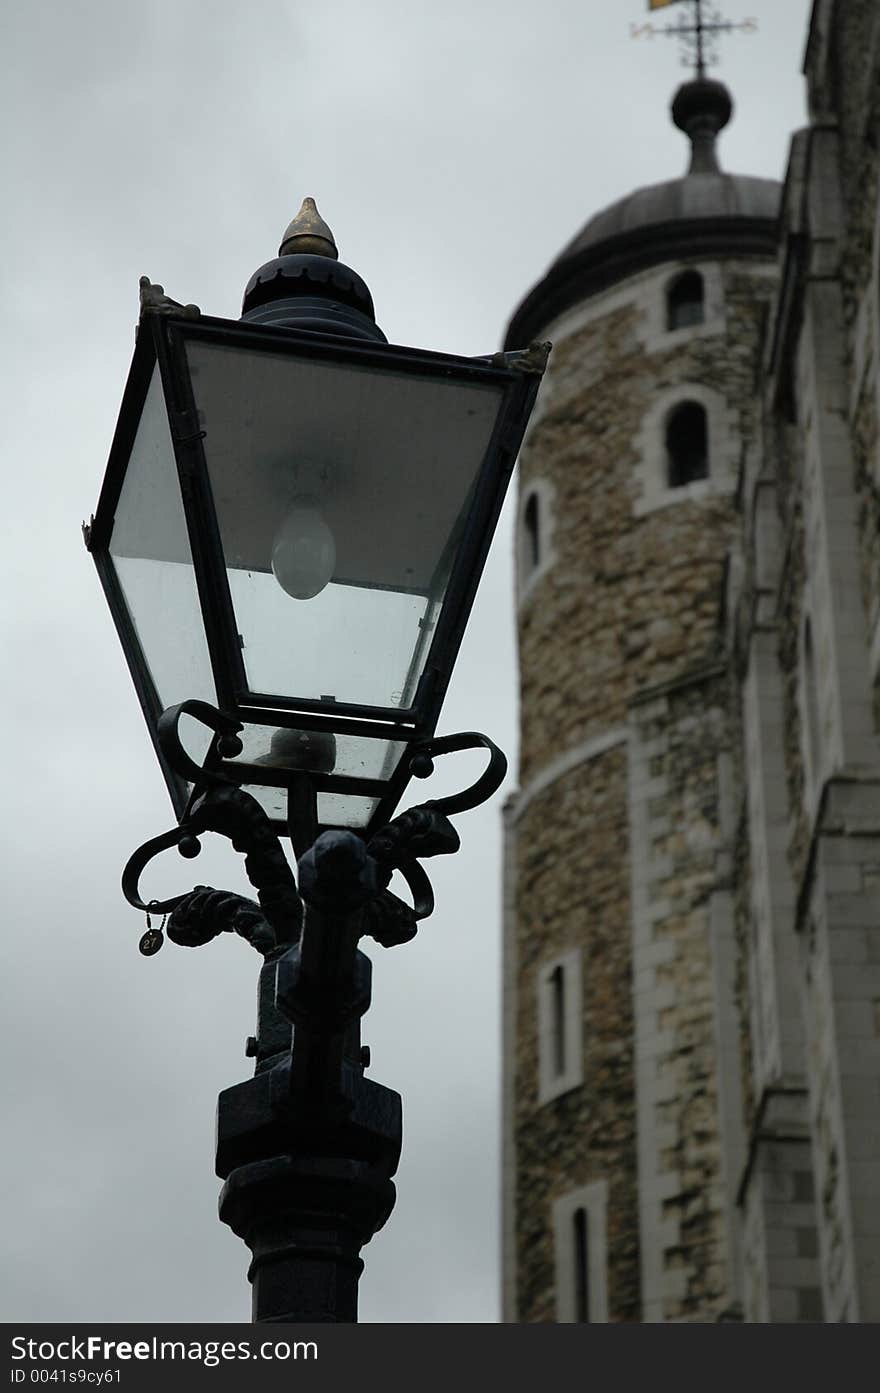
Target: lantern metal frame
<point>162,339</point>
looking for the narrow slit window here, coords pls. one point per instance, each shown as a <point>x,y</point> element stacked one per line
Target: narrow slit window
<point>685,301</point>
<point>581,1255</point>
<point>531,535</point>
<point>560,1023</point>
<point>687,445</point>
<point>557,1007</point>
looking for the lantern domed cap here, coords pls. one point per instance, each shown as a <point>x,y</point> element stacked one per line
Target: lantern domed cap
<point>308,234</point>
<point>306,286</point>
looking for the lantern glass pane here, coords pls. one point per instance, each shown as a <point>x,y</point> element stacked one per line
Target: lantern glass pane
<point>341,492</point>
<point>319,752</point>
<point>334,809</point>
<point>150,551</point>
<point>272,800</point>
<point>345,810</point>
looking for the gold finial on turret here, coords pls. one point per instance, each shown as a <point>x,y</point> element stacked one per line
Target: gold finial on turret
<point>308,234</point>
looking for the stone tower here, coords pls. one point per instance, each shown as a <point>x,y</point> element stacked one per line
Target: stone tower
<point>620,922</point>
<point>692,867</point>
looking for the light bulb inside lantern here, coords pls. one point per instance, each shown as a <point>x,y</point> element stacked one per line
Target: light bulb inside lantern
<point>304,551</point>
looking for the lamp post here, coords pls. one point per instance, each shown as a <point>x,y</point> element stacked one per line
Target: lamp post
<point>290,533</point>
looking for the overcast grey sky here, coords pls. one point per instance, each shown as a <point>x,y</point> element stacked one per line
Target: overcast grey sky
<point>453,147</point>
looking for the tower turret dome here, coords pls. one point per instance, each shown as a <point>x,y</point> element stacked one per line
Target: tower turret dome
<point>705,213</point>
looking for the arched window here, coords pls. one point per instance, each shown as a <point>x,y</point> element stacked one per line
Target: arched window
<point>684,301</point>
<point>531,551</point>
<point>687,445</point>
<point>580,1241</point>
<point>534,535</point>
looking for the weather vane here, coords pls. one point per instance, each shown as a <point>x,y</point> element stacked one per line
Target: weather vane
<point>698,37</point>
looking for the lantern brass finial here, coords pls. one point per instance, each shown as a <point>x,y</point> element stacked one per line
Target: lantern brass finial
<point>308,234</point>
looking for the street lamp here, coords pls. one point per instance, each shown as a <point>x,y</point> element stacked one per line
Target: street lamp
<point>290,533</point>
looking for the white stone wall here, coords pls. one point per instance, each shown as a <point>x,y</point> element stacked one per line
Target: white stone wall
<point>841,960</point>
<point>823,380</point>
<point>833,598</point>
<point>682,991</point>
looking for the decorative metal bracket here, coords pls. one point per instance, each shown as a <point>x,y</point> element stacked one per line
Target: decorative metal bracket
<point>217,805</point>
<point>153,298</point>
<point>308,1145</point>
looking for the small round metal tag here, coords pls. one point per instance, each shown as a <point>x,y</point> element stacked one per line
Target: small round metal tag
<point>151,942</point>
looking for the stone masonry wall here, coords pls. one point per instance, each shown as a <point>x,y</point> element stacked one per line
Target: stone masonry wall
<point>841,946</point>
<point>775,1190</point>
<point>854,80</point>
<point>630,601</point>
<point>679,738</point>
<point>843,75</point>
<point>572,854</point>
<point>829,650</point>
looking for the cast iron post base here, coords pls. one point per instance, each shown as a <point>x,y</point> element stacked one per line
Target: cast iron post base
<point>305,1220</point>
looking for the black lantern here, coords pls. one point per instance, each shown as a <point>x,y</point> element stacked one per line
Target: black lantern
<point>292,526</point>
<point>290,534</point>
